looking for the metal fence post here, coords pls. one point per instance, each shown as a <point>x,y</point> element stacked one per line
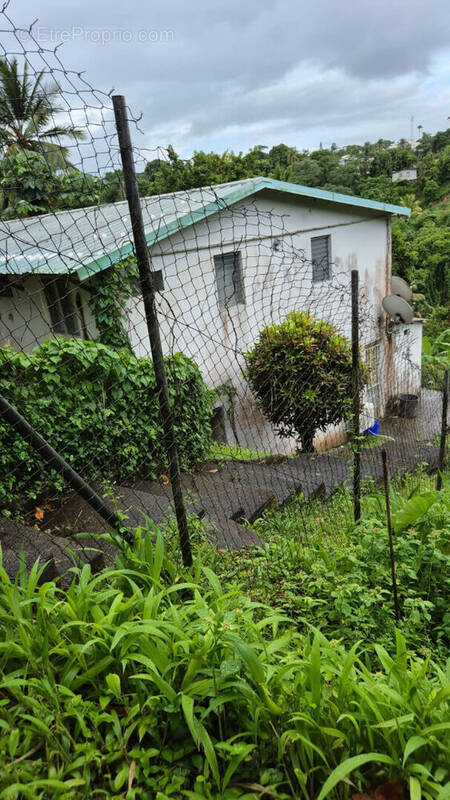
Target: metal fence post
<point>48,454</point>
<point>443,437</point>
<point>148,295</point>
<point>356,398</point>
<point>389,527</point>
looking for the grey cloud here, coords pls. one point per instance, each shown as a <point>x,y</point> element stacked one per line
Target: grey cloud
<point>267,65</point>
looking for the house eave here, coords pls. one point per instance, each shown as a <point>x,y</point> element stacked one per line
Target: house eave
<point>242,190</point>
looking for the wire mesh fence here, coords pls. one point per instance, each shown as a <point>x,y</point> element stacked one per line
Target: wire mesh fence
<point>245,288</point>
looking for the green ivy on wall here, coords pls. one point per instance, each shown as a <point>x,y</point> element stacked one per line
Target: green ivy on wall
<point>99,409</point>
<point>110,291</point>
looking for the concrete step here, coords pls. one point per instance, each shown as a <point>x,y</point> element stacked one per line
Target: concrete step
<point>207,497</point>
<point>226,534</point>
<point>77,516</point>
<point>319,474</point>
<point>217,495</point>
<point>408,456</point>
<point>211,494</point>
<point>60,553</point>
<point>371,468</point>
<point>311,475</point>
<point>403,457</point>
<point>223,506</point>
<point>11,562</point>
<point>223,493</point>
<point>258,478</point>
<point>140,504</point>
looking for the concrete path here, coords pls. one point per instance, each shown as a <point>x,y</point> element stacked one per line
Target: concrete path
<point>223,494</point>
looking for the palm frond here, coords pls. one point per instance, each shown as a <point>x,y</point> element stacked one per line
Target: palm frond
<point>27,111</point>
<point>63,130</point>
<point>56,155</point>
<point>11,93</point>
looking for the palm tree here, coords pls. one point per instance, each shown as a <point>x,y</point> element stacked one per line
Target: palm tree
<point>27,108</point>
<point>410,201</point>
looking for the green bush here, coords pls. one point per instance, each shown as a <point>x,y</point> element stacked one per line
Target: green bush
<point>323,570</point>
<point>98,408</point>
<point>435,360</point>
<point>301,374</point>
<point>146,682</point>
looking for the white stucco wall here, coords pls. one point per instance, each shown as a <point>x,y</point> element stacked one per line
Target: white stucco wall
<point>25,319</point>
<point>273,236</point>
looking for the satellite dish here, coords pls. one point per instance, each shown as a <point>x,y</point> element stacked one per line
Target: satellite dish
<point>401,288</point>
<point>397,308</point>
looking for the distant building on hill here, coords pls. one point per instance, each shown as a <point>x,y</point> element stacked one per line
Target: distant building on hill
<point>405,175</point>
<point>403,143</point>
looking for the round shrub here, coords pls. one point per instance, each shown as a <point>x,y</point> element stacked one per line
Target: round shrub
<point>99,409</point>
<point>301,374</point>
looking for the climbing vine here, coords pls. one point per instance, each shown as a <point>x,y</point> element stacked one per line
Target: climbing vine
<point>110,291</point>
<point>99,408</point>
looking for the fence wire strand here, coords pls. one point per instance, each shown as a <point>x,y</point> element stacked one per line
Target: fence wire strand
<point>228,262</point>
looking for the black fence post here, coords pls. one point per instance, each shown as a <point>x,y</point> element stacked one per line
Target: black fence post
<point>389,527</point>
<point>148,295</point>
<point>356,444</point>
<point>443,437</point>
<point>48,454</point>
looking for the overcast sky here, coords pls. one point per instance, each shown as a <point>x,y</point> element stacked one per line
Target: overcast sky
<point>216,75</point>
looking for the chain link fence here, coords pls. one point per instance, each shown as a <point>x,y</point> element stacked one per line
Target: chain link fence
<point>187,353</point>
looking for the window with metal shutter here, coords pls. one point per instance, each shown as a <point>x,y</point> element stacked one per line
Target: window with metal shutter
<point>230,286</point>
<point>60,301</point>
<point>320,257</point>
<point>59,294</point>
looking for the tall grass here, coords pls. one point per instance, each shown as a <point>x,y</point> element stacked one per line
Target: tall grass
<point>145,681</point>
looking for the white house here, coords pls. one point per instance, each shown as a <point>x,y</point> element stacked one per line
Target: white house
<point>404,175</point>
<point>228,260</point>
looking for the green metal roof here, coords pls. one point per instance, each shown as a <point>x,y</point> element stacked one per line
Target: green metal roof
<point>85,241</point>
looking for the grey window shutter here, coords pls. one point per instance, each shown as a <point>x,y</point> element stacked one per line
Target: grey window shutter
<point>320,257</point>
<point>230,286</point>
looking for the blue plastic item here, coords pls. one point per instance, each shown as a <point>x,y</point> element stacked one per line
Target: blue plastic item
<point>374,429</point>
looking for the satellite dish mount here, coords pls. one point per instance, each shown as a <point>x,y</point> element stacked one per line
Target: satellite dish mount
<point>397,310</point>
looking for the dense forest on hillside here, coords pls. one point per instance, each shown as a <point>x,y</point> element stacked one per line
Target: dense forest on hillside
<point>421,245</point>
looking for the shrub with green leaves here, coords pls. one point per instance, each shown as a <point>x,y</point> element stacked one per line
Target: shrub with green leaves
<point>337,575</point>
<point>149,682</point>
<point>98,408</point>
<point>435,360</point>
<point>301,374</point>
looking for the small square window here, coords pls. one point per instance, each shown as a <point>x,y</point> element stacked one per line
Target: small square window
<point>321,258</point>
<point>230,285</point>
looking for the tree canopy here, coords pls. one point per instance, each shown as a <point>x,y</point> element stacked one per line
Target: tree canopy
<point>31,180</point>
<point>27,112</point>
